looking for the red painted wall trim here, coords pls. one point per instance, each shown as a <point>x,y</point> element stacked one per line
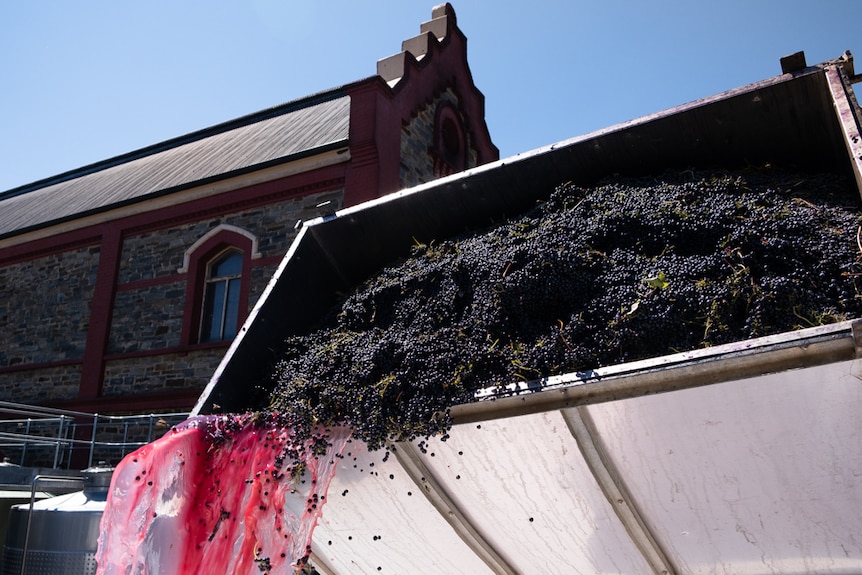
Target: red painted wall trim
<point>177,278</point>
<point>362,181</point>
<point>108,237</point>
<point>445,65</point>
<point>152,403</point>
<point>22,367</point>
<point>162,351</point>
<point>377,112</point>
<point>317,181</point>
<point>179,350</point>
<point>46,246</point>
<point>101,310</point>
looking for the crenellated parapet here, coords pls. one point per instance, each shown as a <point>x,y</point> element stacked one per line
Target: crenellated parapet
<point>429,86</point>
<point>433,32</point>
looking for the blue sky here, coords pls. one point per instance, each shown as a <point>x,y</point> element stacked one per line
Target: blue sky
<point>84,81</point>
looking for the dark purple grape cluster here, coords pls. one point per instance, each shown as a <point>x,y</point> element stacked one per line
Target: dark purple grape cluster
<point>629,269</point>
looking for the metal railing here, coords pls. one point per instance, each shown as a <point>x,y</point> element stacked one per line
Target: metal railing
<point>60,439</point>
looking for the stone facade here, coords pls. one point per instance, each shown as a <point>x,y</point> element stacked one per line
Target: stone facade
<point>159,253</point>
<point>104,270</point>
<point>162,373</point>
<point>143,347</point>
<point>418,155</point>
<point>148,316</point>
<point>45,307</point>
<point>41,385</point>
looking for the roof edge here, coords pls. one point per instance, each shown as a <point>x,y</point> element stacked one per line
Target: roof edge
<point>330,147</point>
<point>248,119</point>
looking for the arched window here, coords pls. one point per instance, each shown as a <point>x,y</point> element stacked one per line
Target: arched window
<point>220,314</point>
<point>450,144</point>
<point>217,292</point>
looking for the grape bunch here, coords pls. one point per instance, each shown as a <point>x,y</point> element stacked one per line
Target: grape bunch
<point>628,269</point>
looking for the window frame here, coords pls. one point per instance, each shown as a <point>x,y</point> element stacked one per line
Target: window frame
<point>223,312</point>
<point>197,263</point>
<point>450,141</point>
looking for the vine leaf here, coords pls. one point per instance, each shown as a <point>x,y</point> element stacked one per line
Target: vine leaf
<point>658,281</point>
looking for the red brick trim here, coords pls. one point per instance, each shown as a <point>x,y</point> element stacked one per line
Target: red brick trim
<point>321,180</point>
<point>49,246</point>
<point>152,403</point>
<point>22,367</point>
<point>101,311</point>
<point>175,278</point>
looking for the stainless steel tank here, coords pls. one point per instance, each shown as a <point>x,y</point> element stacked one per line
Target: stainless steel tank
<point>58,535</point>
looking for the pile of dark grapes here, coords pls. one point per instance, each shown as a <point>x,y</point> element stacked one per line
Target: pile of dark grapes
<point>626,270</point>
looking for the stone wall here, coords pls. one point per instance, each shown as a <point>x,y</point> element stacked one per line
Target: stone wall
<point>168,372</point>
<point>417,141</point>
<point>159,253</point>
<point>46,301</point>
<point>45,307</point>
<point>148,318</point>
<point>56,383</point>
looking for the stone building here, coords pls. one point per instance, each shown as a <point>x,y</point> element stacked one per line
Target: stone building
<point>122,283</point>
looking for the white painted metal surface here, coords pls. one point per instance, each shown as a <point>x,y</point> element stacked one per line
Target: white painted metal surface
<point>755,476</point>
<point>750,476</point>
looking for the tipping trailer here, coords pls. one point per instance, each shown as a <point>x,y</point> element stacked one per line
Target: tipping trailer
<point>743,458</point>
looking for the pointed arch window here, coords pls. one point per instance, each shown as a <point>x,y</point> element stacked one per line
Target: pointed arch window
<point>220,314</point>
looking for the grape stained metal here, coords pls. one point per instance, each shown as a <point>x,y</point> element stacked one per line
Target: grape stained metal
<point>218,494</point>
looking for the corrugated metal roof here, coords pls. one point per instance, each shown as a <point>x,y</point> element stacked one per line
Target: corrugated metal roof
<point>257,140</point>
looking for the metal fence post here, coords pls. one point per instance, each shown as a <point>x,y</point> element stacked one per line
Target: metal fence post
<point>93,439</point>
<point>24,447</point>
<point>59,439</point>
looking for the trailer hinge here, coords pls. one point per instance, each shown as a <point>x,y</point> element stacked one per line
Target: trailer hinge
<point>844,61</point>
